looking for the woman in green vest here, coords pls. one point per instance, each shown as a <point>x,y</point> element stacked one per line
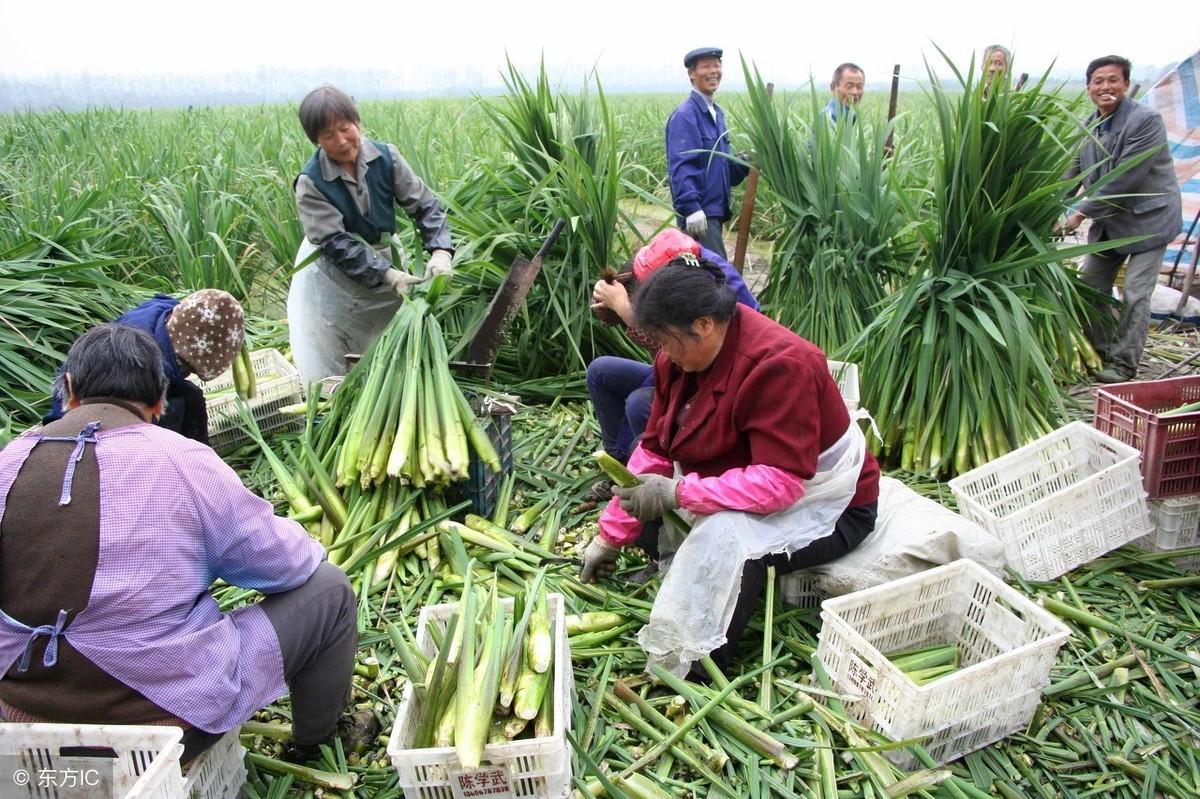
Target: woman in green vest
<point>347,196</point>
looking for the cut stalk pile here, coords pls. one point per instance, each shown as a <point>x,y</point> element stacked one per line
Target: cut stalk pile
<point>1120,713</point>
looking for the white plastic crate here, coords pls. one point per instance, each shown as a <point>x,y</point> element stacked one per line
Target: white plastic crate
<point>846,375</point>
<point>145,765</point>
<point>277,385</point>
<point>219,772</point>
<point>1176,525</point>
<point>799,589</point>
<point>537,767</point>
<point>1057,503</point>
<point>1007,646</point>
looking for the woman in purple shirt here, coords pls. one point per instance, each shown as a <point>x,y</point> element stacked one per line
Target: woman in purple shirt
<point>112,530</point>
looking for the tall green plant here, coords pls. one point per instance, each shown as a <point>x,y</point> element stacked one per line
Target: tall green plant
<point>564,161</point>
<point>960,364</point>
<point>44,306</point>
<point>842,238</point>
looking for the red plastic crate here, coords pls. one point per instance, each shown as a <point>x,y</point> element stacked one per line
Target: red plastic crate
<point>1170,446</point>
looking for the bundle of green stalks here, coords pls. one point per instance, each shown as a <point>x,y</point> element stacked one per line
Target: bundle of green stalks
<point>489,679</point>
<point>962,361</point>
<point>563,160</point>
<point>399,413</point>
<point>844,238</point>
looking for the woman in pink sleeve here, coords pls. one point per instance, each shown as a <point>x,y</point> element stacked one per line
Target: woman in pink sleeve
<point>748,434</point>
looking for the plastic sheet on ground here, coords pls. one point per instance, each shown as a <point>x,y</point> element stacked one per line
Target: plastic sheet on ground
<point>912,533</point>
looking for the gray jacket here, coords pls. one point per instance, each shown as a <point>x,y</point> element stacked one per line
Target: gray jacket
<point>1142,201</point>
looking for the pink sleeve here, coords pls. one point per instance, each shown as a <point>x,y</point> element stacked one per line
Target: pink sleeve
<point>756,488</point>
<point>643,461</point>
<point>618,528</point>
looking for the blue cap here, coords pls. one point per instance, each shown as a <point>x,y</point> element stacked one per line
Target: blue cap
<point>701,52</point>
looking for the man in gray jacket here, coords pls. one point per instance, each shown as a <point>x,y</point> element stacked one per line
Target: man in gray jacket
<point>1141,201</point>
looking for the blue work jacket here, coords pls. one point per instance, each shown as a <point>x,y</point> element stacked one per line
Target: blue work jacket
<point>700,180</point>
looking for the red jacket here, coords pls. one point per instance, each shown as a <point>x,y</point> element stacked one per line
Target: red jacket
<point>758,418</point>
<point>768,398</point>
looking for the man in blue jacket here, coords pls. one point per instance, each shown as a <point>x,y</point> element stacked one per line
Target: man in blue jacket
<point>1142,201</point>
<point>847,90</point>
<point>698,164</point>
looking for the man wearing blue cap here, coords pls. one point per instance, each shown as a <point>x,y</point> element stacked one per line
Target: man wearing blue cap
<point>700,171</point>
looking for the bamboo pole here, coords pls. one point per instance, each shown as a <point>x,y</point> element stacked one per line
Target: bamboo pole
<point>895,96</point>
<point>747,212</point>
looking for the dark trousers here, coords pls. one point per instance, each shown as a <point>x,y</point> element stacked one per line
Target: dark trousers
<point>851,529</point>
<point>317,629</point>
<point>621,398</point>
<point>714,236</point>
<point>1123,351</point>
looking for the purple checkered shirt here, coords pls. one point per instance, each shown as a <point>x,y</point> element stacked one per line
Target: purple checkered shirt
<point>174,517</point>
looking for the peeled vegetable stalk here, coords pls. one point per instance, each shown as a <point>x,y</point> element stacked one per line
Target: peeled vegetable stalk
<point>243,374</point>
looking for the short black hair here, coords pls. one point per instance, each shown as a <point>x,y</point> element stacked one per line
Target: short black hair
<point>680,293</point>
<point>837,73</point>
<point>323,106</point>
<point>116,361</point>
<point>1108,61</point>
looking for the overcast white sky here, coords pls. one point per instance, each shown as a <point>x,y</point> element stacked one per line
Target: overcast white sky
<point>425,41</point>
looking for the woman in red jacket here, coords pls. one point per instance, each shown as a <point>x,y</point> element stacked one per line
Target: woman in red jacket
<point>749,434</point>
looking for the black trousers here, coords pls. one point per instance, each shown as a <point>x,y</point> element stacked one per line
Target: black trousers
<point>851,529</point>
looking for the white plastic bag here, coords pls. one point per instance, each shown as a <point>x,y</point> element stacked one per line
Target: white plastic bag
<point>912,534</point>
<point>331,316</point>
<point>1165,300</point>
<point>695,603</point>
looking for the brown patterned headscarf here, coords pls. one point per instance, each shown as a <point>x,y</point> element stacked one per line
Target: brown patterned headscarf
<point>207,328</point>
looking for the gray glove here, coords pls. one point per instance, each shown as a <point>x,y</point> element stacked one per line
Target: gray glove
<point>697,224</point>
<point>600,558</point>
<point>650,500</point>
<point>439,263</point>
<point>399,281</point>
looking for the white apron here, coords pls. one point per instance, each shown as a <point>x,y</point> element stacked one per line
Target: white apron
<point>696,600</point>
<point>331,316</point>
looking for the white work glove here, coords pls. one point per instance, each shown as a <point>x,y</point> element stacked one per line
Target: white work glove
<point>439,263</point>
<point>650,500</point>
<point>696,224</point>
<point>399,281</point>
<point>598,558</point>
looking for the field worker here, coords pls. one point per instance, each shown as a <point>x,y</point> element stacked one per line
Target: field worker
<point>1143,201</point>
<point>200,334</point>
<point>622,389</point>
<point>701,174</point>
<point>996,61</point>
<point>847,90</point>
<point>347,196</point>
<point>748,433</point>
<point>112,531</point>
